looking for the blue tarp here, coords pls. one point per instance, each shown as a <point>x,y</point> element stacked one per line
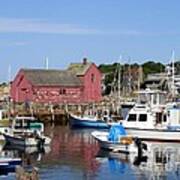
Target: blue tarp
<point>115,132</point>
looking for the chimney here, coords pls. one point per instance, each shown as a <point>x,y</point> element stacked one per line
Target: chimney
<point>84,61</point>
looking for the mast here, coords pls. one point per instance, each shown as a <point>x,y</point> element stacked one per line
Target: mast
<point>173,74</point>
<point>129,77</point>
<point>47,63</point>
<point>119,85</point>
<point>9,74</point>
<point>119,79</point>
<point>9,85</point>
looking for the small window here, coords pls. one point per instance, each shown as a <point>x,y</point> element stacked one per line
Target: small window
<point>92,77</point>
<point>164,118</point>
<point>18,124</point>
<point>132,117</point>
<point>143,117</point>
<point>62,91</point>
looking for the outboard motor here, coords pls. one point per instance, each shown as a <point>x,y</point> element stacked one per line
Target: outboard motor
<point>141,146</point>
<point>40,143</point>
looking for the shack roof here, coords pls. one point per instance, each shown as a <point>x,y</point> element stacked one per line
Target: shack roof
<point>51,77</point>
<point>79,68</point>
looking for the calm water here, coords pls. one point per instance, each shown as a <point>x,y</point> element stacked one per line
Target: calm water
<point>74,154</point>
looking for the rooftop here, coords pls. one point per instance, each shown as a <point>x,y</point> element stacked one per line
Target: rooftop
<point>50,77</point>
<point>79,68</point>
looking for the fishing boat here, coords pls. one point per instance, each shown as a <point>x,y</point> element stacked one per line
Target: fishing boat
<point>117,140</point>
<point>26,131</point>
<point>87,122</point>
<point>25,141</point>
<point>153,119</point>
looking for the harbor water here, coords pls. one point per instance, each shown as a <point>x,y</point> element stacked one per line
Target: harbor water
<point>74,154</point>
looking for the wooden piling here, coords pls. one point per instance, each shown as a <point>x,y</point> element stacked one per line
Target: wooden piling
<point>21,174</point>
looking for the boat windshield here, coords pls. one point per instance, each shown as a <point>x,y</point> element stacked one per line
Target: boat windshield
<point>153,98</point>
<point>27,124</point>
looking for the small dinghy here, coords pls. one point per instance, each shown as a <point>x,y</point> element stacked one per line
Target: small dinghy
<point>118,141</point>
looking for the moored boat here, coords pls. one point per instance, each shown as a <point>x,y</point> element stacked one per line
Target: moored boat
<point>26,131</point>
<point>117,140</point>
<point>86,121</point>
<point>153,119</point>
<point>25,141</point>
<point>8,162</point>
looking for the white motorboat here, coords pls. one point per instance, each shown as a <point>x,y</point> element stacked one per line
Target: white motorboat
<point>26,131</point>
<point>153,119</point>
<point>117,140</point>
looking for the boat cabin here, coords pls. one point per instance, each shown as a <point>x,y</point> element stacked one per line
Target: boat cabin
<point>173,117</point>
<point>151,97</point>
<point>26,125</point>
<point>148,112</point>
<point>145,119</point>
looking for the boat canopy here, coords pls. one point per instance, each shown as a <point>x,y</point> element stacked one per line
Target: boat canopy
<point>115,132</point>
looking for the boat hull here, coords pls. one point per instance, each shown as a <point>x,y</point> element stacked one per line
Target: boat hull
<point>21,141</point>
<point>155,134</point>
<point>76,121</point>
<point>8,165</point>
<point>101,137</point>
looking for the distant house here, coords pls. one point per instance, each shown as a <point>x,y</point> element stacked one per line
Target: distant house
<point>80,83</point>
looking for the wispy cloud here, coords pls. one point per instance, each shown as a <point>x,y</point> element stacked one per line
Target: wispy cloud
<point>18,43</point>
<point>41,26</point>
<point>14,43</point>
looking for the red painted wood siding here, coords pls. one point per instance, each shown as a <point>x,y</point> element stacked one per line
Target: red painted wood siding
<point>21,89</point>
<point>57,94</point>
<point>92,84</point>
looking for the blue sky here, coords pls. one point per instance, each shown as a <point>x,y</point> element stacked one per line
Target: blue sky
<point>66,31</point>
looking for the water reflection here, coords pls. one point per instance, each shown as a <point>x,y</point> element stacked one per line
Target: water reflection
<point>162,161</point>
<point>75,148</point>
<point>74,154</point>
